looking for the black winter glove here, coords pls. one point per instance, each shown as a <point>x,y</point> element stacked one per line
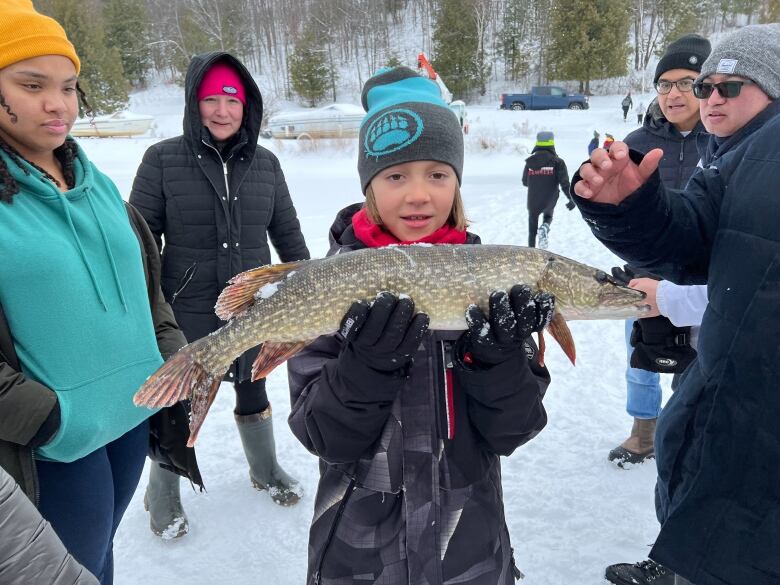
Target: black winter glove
<point>659,346</point>
<point>623,275</point>
<point>570,205</point>
<point>513,317</point>
<point>385,334</point>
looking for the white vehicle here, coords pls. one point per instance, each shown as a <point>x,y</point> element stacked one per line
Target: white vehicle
<point>119,124</point>
<point>333,121</point>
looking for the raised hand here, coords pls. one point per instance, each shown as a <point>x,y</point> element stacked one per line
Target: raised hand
<point>611,176</point>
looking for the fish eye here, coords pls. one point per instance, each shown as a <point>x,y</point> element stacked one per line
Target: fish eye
<point>603,278</point>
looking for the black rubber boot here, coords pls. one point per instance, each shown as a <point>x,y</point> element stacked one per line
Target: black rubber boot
<point>163,502</point>
<point>642,573</point>
<point>257,437</point>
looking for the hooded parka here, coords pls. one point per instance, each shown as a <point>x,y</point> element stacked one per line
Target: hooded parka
<point>215,208</point>
<point>410,486</point>
<point>718,438</point>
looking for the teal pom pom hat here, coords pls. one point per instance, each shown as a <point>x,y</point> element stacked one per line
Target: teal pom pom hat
<point>406,120</point>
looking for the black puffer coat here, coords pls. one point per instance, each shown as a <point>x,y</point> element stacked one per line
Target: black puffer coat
<point>680,152</point>
<point>215,210</point>
<point>718,438</point>
<point>544,171</point>
<point>399,502</point>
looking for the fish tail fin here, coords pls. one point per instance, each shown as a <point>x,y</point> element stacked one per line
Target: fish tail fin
<point>561,333</point>
<point>182,377</point>
<point>274,354</point>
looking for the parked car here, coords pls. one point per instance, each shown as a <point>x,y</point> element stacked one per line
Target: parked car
<point>118,124</point>
<point>333,121</point>
<point>544,97</point>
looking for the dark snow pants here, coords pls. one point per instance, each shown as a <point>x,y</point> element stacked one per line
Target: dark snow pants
<point>86,499</point>
<point>625,113</point>
<point>533,224</point>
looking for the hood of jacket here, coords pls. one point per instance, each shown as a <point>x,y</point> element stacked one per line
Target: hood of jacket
<point>253,111</point>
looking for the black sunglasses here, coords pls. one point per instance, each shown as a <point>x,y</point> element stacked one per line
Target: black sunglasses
<point>726,89</point>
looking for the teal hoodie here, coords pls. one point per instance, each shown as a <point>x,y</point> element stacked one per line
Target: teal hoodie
<point>73,290</point>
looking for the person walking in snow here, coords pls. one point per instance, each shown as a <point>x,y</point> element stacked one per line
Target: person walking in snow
<point>640,112</point>
<point>216,197</point>
<point>544,172</point>
<point>594,142</point>
<point>82,319</point>
<point>716,441</point>
<point>409,424</point>
<point>626,105</point>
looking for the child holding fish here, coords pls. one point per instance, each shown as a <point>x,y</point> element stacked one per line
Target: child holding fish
<point>409,423</point>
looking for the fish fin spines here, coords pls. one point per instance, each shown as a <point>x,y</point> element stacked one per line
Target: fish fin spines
<point>561,333</point>
<point>273,354</point>
<point>174,381</point>
<point>242,289</point>
<point>202,400</point>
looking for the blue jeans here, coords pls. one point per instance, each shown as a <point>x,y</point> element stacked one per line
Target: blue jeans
<point>86,499</point>
<point>643,388</point>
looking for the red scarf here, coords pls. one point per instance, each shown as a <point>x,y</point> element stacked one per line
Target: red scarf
<point>375,236</point>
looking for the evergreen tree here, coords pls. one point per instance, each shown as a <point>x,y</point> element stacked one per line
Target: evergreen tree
<point>679,17</point>
<point>513,39</point>
<point>589,40</point>
<point>457,48</point>
<point>102,77</point>
<point>309,72</point>
<point>127,24</point>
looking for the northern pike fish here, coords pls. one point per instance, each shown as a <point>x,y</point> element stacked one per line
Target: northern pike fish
<point>285,307</point>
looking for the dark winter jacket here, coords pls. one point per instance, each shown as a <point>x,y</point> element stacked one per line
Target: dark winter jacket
<point>30,550</point>
<point>544,171</point>
<point>398,502</point>
<point>718,439</point>
<point>216,210</point>
<point>680,152</point>
<point>19,434</point>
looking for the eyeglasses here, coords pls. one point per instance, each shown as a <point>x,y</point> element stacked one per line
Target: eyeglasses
<point>726,89</point>
<point>684,85</point>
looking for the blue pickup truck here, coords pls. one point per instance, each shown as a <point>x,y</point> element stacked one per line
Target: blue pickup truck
<point>544,97</point>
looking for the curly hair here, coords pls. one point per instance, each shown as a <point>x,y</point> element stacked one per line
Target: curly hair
<point>65,155</point>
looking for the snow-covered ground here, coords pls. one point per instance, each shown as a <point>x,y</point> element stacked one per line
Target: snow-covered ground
<point>569,511</point>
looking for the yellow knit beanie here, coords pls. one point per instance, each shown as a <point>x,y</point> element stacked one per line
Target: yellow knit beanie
<point>25,33</point>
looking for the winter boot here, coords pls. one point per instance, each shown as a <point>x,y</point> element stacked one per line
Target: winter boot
<point>257,436</point>
<point>541,236</point>
<point>639,446</point>
<point>163,502</point>
<point>642,573</point>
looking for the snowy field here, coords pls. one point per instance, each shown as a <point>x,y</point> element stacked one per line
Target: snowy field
<point>569,511</point>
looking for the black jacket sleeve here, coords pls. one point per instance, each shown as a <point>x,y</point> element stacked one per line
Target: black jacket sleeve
<point>147,193</point>
<point>525,175</point>
<point>339,405</point>
<point>562,175</point>
<point>284,228</point>
<point>505,401</point>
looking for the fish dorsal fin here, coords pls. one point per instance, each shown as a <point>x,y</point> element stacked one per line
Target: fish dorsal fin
<point>240,293</point>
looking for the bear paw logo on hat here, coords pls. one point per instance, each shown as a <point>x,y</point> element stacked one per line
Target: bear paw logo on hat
<point>391,131</point>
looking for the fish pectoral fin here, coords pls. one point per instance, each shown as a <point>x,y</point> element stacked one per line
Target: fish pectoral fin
<point>561,333</point>
<point>240,293</point>
<point>274,354</point>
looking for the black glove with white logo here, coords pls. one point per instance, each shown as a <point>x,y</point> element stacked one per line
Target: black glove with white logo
<point>385,334</point>
<point>659,346</point>
<point>513,317</point>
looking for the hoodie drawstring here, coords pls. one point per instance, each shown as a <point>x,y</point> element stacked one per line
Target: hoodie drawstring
<point>111,260</point>
<point>84,259</point>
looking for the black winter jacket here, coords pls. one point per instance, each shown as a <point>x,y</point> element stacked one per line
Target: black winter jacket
<point>718,438</point>
<point>398,501</point>
<point>681,154</point>
<point>215,210</point>
<point>169,427</point>
<point>544,171</point>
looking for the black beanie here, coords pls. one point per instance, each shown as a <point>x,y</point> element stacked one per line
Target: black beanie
<point>687,52</point>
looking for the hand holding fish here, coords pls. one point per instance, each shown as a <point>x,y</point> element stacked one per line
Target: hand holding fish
<point>513,317</point>
<point>385,334</point>
<point>611,175</point>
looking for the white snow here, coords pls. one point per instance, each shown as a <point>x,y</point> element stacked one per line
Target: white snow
<point>569,511</point>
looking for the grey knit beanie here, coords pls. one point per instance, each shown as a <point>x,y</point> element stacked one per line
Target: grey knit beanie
<point>752,52</point>
<point>687,52</point>
<point>406,120</point>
